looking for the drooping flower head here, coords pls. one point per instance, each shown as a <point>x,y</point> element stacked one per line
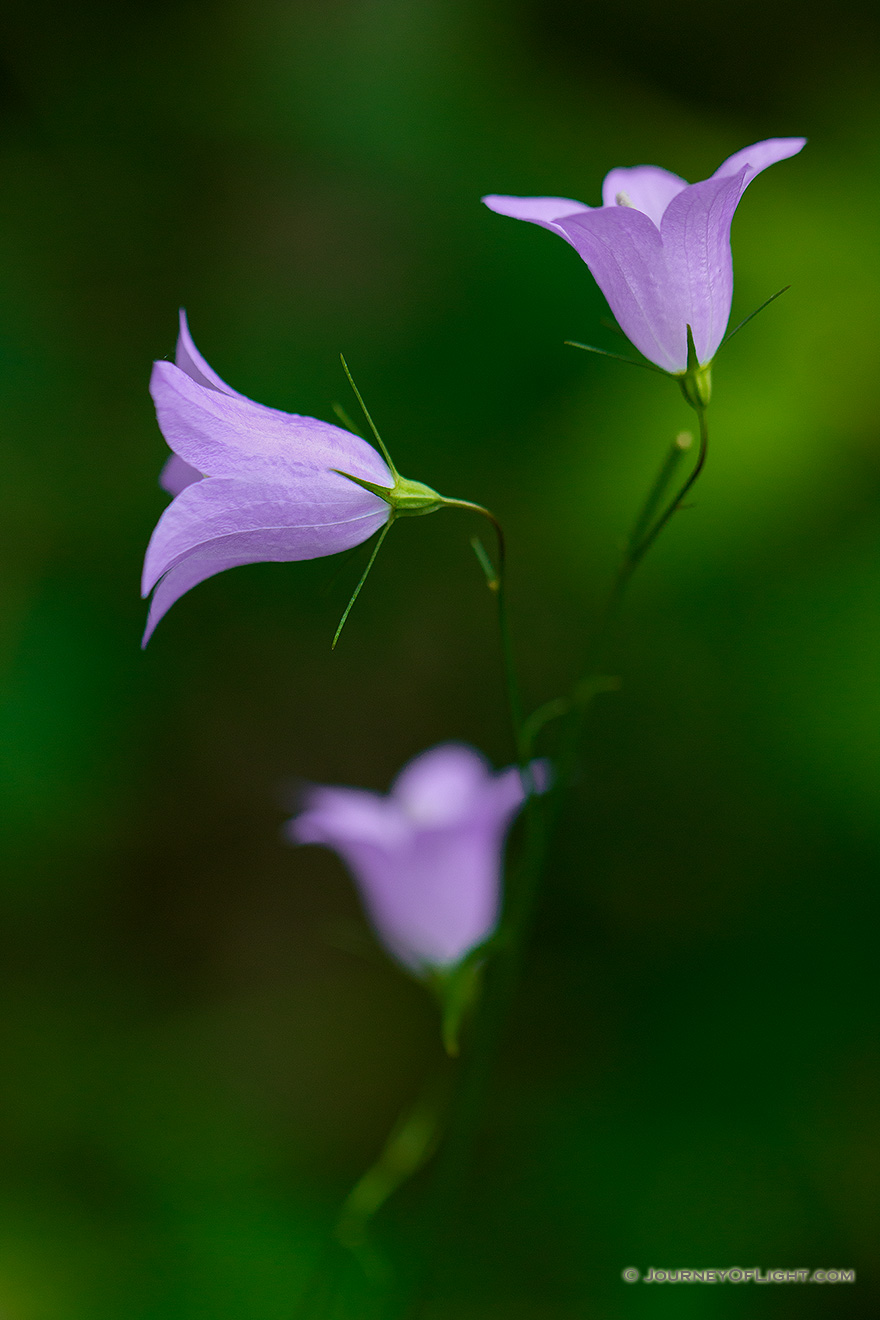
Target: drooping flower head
<point>427,856</point>
<point>255,484</point>
<point>659,248</point>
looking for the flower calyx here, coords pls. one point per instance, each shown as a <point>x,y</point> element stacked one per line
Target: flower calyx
<point>696,380</point>
<point>408,499</point>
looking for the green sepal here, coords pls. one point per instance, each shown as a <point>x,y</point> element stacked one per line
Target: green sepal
<point>407,498</point>
<point>618,357</point>
<point>696,381</point>
<point>736,329</point>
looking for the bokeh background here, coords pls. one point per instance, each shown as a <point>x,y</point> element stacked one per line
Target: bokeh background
<point>202,1048</point>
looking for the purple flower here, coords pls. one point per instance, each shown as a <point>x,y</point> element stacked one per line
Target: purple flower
<point>252,483</point>
<point>659,248</point>
<point>426,857</point>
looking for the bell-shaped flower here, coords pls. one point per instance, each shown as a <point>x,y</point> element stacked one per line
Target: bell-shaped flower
<point>427,856</point>
<point>659,248</point>
<point>252,483</point>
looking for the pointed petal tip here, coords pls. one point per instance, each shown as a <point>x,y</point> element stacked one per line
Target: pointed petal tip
<point>540,210</point>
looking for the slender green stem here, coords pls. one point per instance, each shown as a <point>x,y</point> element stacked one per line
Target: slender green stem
<point>350,1250</point>
<point>511,680</point>
<point>409,1146</point>
<point>638,544</point>
<point>641,541</point>
<point>677,450</point>
<point>540,819</point>
<point>672,508</point>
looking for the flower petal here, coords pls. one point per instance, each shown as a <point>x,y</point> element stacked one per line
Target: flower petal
<point>337,816</point>
<point>188,358</point>
<point>222,523</point>
<point>540,210</point>
<point>647,188</point>
<point>176,475</point>
<point>426,858</point>
<point>443,786</point>
<point>324,511</point>
<point>435,900</point>
<point>430,894</point>
<point>757,157</point>
<point>696,242</point>
<point>623,249</point>
<point>225,436</point>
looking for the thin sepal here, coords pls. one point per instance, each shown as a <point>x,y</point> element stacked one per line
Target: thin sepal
<point>357,591</point>
<point>618,357</point>
<point>408,499</point>
<point>748,318</point>
<point>345,419</point>
<point>696,381</point>
<point>372,425</point>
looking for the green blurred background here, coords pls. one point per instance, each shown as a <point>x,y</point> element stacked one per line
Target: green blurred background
<point>201,1046</point>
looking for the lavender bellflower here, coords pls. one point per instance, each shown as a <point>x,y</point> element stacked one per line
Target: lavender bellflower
<point>659,248</point>
<point>251,483</point>
<point>427,857</point>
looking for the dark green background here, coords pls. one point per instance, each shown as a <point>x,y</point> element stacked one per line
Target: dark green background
<point>201,1047</point>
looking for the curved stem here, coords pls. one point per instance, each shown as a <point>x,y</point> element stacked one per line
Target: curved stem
<point>350,1252</point>
<point>498,584</point>
<point>648,540</point>
<point>639,543</point>
<point>502,971</point>
<point>592,681</point>
<point>638,546</point>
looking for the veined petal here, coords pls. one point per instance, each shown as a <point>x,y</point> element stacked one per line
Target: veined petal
<point>323,513</point>
<point>696,241</point>
<point>757,157</point>
<point>647,188</point>
<point>188,358</point>
<point>540,210</point>
<point>221,523</point>
<point>624,251</point>
<point>177,474</point>
<point>222,435</point>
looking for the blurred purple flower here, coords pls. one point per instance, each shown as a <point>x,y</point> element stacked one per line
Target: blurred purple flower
<point>426,857</point>
<point>659,248</point>
<point>250,483</point>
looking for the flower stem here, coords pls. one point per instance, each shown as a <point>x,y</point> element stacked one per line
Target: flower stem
<point>410,1145</point>
<point>679,447</point>
<point>497,583</point>
<point>645,532</point>
<point>541,818</point>
<point>349,1258</point>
